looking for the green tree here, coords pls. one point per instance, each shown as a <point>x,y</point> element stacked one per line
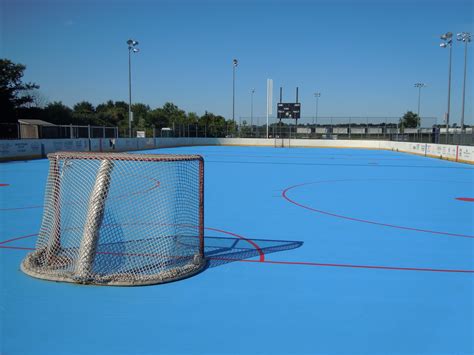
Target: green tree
<point>140,112</point>
<point>170,116</point>
<point>113,113</point>
<point>245,130</point>
<point>58,113</point>
<point>84,113</point>
<point>13,92</point>
<point>156,118</point>
<point>192,118</point>
<point>410,120</point>
<point>213,125</point>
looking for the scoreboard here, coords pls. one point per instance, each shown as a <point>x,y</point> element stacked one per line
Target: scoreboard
<point>288,110</point>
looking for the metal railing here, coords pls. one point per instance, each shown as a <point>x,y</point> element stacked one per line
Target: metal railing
<point>31,131</point>
<point>367,128</point>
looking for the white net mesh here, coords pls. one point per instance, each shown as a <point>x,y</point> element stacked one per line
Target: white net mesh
<point>121,219</point>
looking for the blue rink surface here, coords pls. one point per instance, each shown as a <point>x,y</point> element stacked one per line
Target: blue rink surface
<point>348,252</point>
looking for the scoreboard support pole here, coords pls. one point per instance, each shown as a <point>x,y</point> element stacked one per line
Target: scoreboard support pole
<point>296,118</point>
<point>289,110</point>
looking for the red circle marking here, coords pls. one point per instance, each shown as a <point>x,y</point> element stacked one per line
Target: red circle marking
<point>285,196</point>
<point>279,262</point>
<point>251,242</point>
<point>467,199</point>
<point>155,182</point>
<point>260,251</point>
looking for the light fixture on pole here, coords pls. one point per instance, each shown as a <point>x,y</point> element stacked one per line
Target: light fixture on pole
<point>251,109</point>
<point>448,42</point>
<point>131,49</point>
<point>419,86</point>
<point>234,65</point>
<point>466,38</point>
<point>317,95</point>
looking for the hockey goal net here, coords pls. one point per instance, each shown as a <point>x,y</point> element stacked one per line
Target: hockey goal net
<point>120,219</point>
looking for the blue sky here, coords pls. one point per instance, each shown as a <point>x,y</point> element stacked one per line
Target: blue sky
<point>363,56</point>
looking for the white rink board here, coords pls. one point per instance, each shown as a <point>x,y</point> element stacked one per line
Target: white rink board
<point>37,148</point>
<point>20,148</point>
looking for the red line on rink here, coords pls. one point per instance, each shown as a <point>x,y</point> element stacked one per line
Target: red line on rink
<point>259,250</point>
<point>18,238</point>
<point>285,196</point>
<point>303,263</point>
<point>466,199</point>
<point>13,247</point>
<point>251,242</point>
<point>4,184</point>
<point>20,208</point>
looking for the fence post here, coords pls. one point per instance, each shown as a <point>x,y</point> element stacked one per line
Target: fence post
<point>350,128</point>
<point>89,131</point>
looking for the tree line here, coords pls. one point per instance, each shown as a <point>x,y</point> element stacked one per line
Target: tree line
<point>19,100</point>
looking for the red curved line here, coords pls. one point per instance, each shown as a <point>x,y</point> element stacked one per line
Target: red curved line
<point>289,262</point>
<point>360,266</point>
<point>285,196</point>
<point>260,251</point>
<point>465,199</point>
<point>13,247</point>
<point>20,208</point>
<point>119,197</point>
<point>18,238</point>
<point>4,185</point>
<point>251,242</point>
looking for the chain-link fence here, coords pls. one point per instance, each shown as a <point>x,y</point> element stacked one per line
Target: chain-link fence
<point>367,128</point>
<point>39,131</point>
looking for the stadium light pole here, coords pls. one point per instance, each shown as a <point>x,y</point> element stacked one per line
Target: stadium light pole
<point>466,38</point>
<point>448,42</point>
<point>419,86</point>
<point>131,49</point>
<point>317,95</point>
<point>251,109</point>
<point>235,62</point>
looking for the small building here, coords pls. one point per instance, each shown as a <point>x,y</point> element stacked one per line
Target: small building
<point>33,129</point>
<point>166,132</point>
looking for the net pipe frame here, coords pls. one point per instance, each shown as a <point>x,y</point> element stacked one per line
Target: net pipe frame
<point>95,215</point>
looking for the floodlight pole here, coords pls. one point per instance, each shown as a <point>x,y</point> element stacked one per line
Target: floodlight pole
<point>131,48</point>
<point>234,65</point>
<point>129,94</point>
<point>317,95</point>
<point>464,87</point>
<point>419,86</point>
<point>449,92</point>
<point>419,98</point>
<point>269,102</point>
<point>448,42</point>
<point>466,38</point>
<point>251,109</point>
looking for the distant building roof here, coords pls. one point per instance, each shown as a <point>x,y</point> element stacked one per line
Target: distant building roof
<point>35,123</point>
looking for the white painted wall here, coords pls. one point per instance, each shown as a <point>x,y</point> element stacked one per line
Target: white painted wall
<point>36,148</point>
<point>25,148</point>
